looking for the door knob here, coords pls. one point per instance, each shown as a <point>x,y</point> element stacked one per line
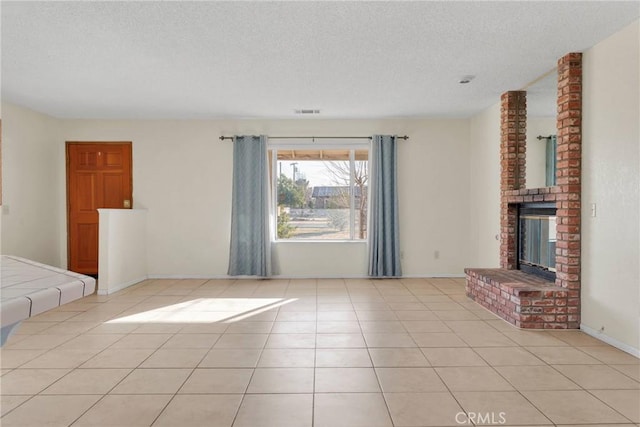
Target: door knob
<point>127,204</point>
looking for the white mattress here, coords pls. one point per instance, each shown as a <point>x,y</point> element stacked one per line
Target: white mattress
<point>28,288</point>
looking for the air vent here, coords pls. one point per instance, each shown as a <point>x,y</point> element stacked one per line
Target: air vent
<point>307,111</point>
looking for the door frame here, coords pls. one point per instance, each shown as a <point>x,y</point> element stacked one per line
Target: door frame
<point>68,202</point>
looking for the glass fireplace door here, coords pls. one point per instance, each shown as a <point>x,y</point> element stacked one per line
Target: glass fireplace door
<point>537,240</point>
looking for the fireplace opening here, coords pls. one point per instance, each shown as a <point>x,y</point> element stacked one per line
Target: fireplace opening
<point>537,239</point>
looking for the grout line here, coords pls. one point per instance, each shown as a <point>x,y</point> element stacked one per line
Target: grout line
<point>315,369</point>
<point>28,399</point>
<point>451,392</point>
<point>166,405</point>
<point>88,409</point>
<point>611,407</point>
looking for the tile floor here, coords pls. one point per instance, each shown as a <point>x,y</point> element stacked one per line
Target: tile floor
<point>324,353</point>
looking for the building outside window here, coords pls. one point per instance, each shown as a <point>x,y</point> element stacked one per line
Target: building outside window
<point>321,193</point>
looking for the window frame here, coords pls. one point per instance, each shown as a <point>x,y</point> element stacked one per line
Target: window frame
<point>332,144</point>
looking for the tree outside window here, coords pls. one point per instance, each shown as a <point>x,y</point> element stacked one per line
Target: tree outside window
<point>322,194</point>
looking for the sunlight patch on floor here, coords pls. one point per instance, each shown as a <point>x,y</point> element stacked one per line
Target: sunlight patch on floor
<point>206,310</point>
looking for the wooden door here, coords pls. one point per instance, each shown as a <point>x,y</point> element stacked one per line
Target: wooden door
<point>98,176</point>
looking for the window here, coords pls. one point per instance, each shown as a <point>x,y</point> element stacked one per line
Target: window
<point>550,161</point>
<point>321,194</point>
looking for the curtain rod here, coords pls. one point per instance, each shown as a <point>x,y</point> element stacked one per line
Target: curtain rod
<point>405,137</point>
<point>539,137</point>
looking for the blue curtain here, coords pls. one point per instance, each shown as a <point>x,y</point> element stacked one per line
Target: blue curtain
<point>384,239</point>
<point>250,253</point>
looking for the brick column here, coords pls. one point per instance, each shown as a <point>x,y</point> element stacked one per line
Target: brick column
<point>513,127</point>
<point>568,176</point>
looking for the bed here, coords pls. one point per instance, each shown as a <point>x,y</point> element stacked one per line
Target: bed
<point>28,288</point>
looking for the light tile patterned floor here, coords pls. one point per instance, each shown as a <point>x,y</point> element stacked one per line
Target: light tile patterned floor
<point>278,353</point>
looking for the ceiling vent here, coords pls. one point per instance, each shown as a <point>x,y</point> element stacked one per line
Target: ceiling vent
<point>307,111</point>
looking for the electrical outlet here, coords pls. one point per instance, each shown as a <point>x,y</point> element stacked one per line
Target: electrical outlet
<point>401,254</point>
<point>593,210</point>
<point>436,254</point>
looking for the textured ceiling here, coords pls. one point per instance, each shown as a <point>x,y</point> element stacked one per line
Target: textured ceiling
<point>266,59</point>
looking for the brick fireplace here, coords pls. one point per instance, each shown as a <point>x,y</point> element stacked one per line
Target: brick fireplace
<point>529,301</point>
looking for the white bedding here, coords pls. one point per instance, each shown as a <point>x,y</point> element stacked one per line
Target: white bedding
<point>28,288</point>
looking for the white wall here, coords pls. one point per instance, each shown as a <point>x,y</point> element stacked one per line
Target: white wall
<point>122,259</point>
<point>611,240</point>
<point>310,259</point>
<point>1,202</point>
<point>182,175</point>
<point>536,167</point>
<point>433,183</point>
<point>31,172</point>
<point>484,183</point>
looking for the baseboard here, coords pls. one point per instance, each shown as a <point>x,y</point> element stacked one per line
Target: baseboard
<point>189,276</point>
<point>285,276</point>
<point>119,286</point>
<point>357,276</point>
<point>611,341</point>
<point>434,276</point>
<point>324,276</point>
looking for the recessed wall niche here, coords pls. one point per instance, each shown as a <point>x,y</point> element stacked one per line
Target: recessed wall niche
<point>541,122</point>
